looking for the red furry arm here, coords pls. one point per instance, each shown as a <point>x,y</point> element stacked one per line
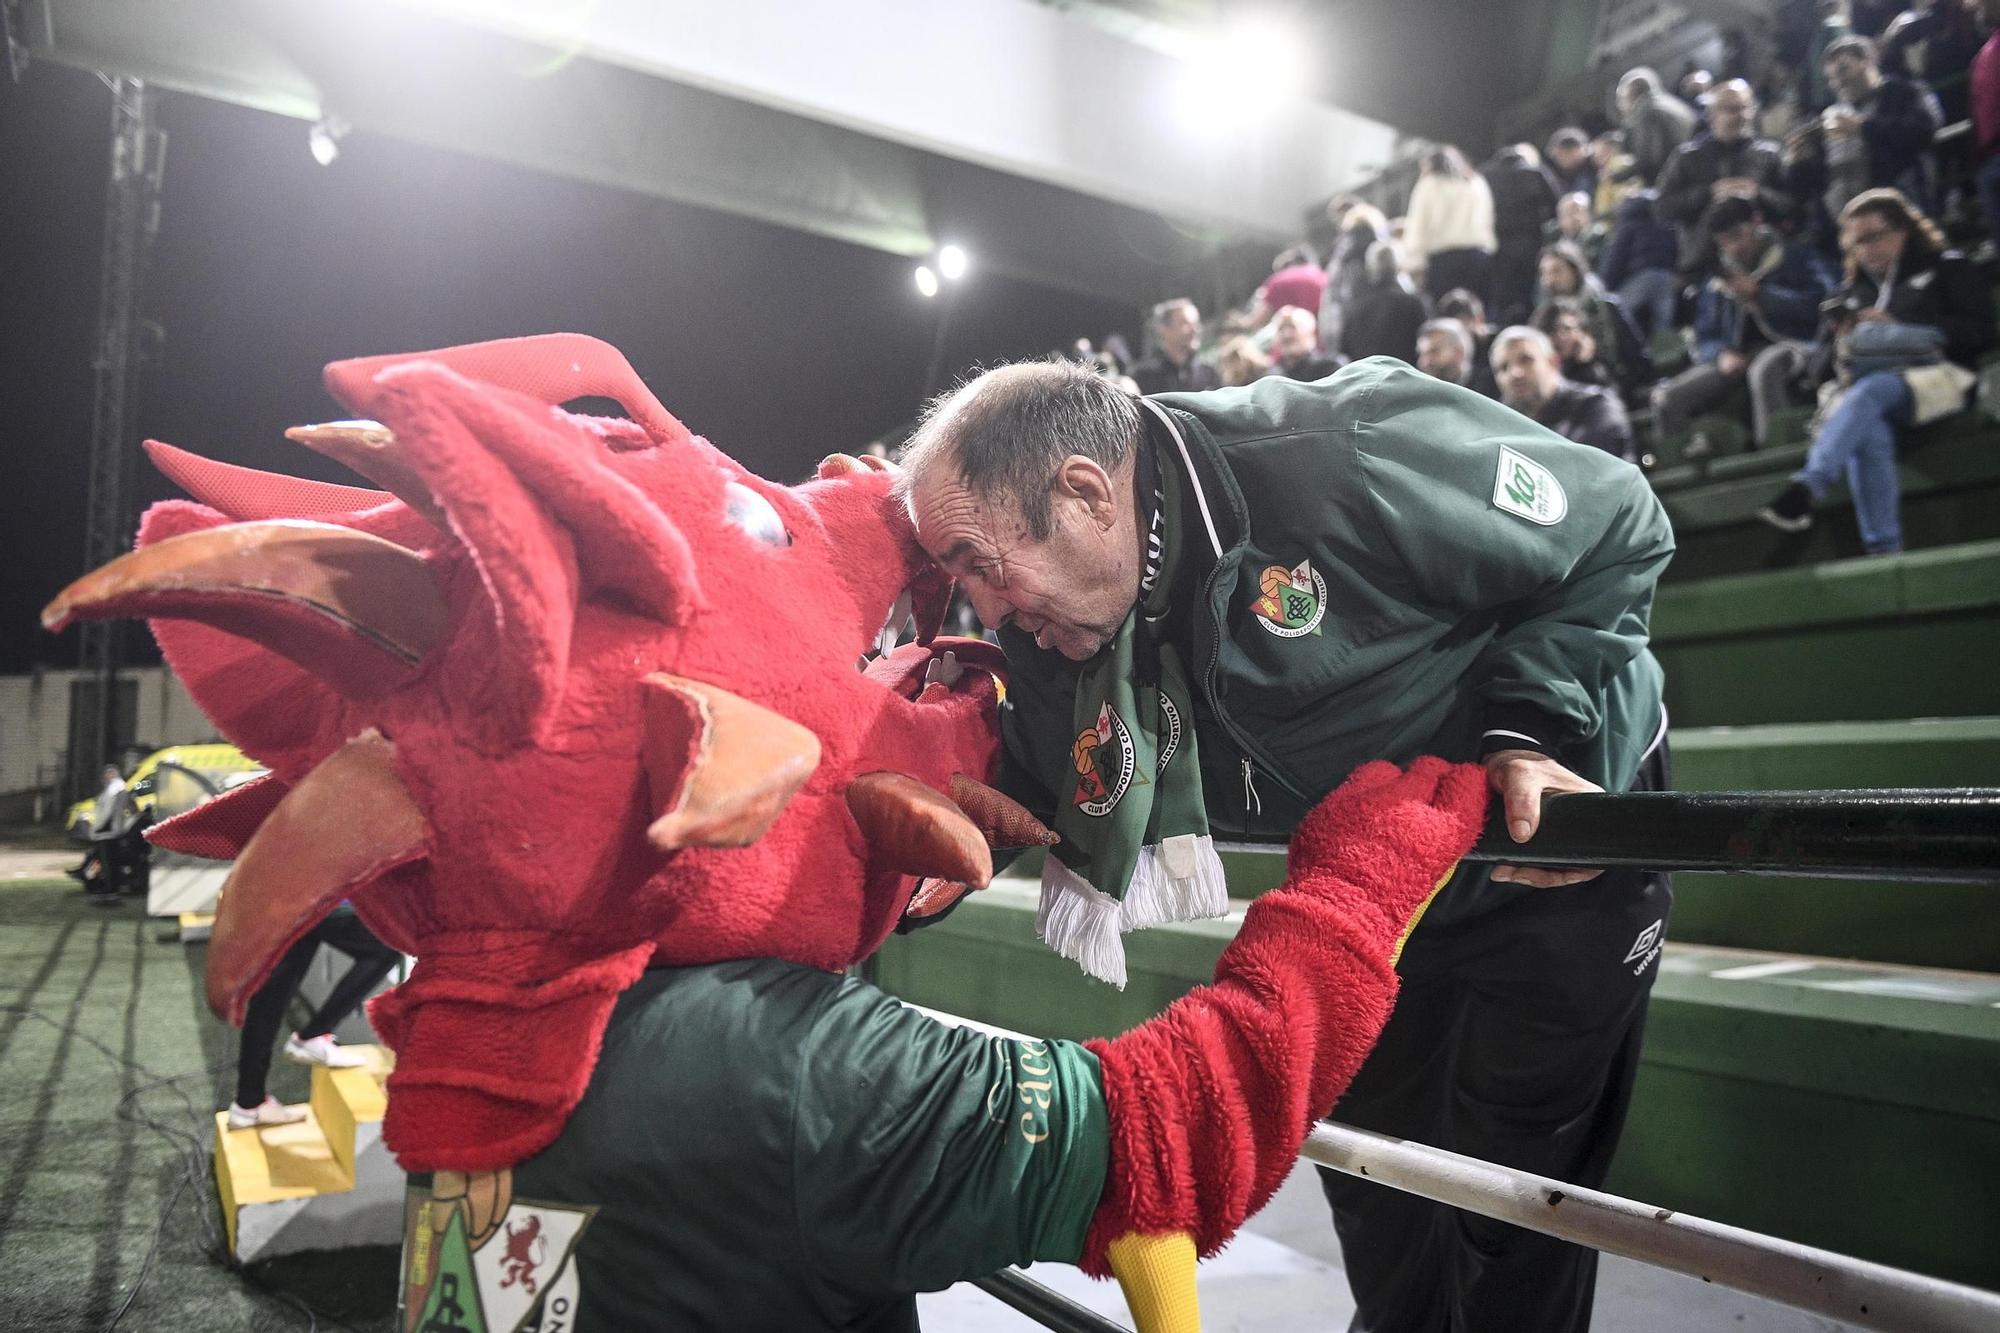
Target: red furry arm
<point>1210,1101</point>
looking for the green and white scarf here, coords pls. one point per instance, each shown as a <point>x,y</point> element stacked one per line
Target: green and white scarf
<point>1114,740</point>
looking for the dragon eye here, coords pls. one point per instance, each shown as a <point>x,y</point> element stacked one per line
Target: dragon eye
<point>751,512</point>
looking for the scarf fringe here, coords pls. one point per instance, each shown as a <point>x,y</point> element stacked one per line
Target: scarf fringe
<point>1084,924</point>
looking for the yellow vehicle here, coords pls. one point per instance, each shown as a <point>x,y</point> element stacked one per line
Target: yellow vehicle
<point>172,780</point>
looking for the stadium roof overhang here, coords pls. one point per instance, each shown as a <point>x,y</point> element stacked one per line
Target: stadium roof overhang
<point>1052,146</point>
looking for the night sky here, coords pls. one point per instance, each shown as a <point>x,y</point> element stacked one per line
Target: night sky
<point>779,346</point>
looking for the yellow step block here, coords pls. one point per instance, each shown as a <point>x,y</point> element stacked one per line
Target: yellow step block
<point>196,926</point>
<point>282,1164</point>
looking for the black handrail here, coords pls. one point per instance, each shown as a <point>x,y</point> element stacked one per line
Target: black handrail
<point>1048,1308</point>
<point>1939,835</point>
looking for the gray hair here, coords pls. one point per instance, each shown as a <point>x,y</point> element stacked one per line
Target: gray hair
<point>1452,328</point>
<point>1007,433</point>
<point>1167,307</point>
<point>1521,333</point>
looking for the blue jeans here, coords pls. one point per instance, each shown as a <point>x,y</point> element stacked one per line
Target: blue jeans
<point>1987,182</point>
<point>1649,296</point>
<point>1858,443</point>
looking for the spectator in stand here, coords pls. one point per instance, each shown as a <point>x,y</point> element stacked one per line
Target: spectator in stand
<point>1359,225</point>
<point>1444,351</point>
<point>1639,264</point>
<point>1241,361</point>
<point>1570,163</point>
<point>1295,347</point>
<point>1469,310</point>
<point>1524,199</point>
<point>1985,101</point>
<point>1531,382</point>
<point>1564,272</point>
<point>1872,137</point>
<point>1448,235</point>
<point>1934,41</point>
<point>1567,327</point>
<point>1615,172</point>
<point>1173,366</point>
<point>1724,159</point>
<point>1655,122</point>
<point>1384,318</point>
<point>1833,27</point>
<point>1296,280</point>
<point>1923,316</point>
<point>1753,322</point>
<point>1574,222</point>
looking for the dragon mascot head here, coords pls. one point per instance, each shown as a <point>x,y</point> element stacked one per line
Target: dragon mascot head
<point>570,695</point>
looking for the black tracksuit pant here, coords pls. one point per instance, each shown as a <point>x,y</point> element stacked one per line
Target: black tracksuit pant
<point>373,961</point>
<point>1515,1039</point>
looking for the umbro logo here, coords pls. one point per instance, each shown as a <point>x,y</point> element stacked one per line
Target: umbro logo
<point>1646,946</point>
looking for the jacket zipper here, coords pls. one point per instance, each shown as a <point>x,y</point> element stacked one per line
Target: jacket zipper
<point>1251,800</point>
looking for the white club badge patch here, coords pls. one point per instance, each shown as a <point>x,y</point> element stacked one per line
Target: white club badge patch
<point>1524,487</point>
<point>1290,602</point>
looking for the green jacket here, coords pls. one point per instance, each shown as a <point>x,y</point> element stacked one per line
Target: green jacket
<point>769,1146</point>
<point>1464,579</point>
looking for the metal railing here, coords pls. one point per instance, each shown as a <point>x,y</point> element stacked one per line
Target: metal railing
<point>1935,835</point>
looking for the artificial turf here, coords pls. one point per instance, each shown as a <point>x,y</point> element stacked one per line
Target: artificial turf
<point>111,1068</point>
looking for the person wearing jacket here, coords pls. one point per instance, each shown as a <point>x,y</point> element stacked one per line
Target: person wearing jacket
<point>1753,322</point>
<point>1379,564</point>
<point>1448,227</point>
<point>1535,380</point>
<point>1653,120</point>
<point>1931,308</point>
<point>1725,159</point>
<point>1639,263</point>
<point>1524,200</point>
<point>1565,274</point>
<point>1873,137</point>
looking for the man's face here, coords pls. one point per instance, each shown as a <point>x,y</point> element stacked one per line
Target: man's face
<point>1071,590</point>
<point>1739,244</point>
<point>1180,331</point>
<point>1527,375</point>
<point>1293,336</point>
<point>1558,278</point>
<point>1567,157</point>
<point>1439,354</point>
<point>1729,113</point>
<point>1849,75</point>
<point>1573,214</point>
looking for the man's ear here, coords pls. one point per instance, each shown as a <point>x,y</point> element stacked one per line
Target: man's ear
<point>1081,478</point>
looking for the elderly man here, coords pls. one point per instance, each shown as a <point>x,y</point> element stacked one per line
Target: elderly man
<point>1529,370</point>
<point>1295,346</point>
<point>1173,364</point>
<point>1445,351</point>
<point>1289,580</point>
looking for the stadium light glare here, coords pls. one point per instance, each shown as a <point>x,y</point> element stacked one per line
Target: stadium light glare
<point>952,262</point>
<point>1253,65</point>
<point>324,139</point>
<point>927,280</point>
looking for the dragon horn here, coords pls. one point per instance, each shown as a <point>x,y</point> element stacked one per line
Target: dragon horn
<point>721,768</point>
<point>914,830</point>
<point>345,823</point>
<point>370,448</point>
<point>357,610</point>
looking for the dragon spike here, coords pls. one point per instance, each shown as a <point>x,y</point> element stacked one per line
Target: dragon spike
<point>246,494</point>
<point>370,448</point>
<point>555,368</point>
<point>347,822</point>
<point>720,768</point>
<point>915,831</point>
<point>356,610</point>
<point>1000,819</point>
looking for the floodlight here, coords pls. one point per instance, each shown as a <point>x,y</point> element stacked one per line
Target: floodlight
<point>952,262</point>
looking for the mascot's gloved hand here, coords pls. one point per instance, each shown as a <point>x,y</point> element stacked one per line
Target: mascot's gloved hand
<point>1210,1101</point>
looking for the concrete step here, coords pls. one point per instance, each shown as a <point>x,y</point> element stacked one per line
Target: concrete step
<point>1886,637</point>
<point>1951,494</point>
<point>324,1183</point>
<point>1852,1106</point>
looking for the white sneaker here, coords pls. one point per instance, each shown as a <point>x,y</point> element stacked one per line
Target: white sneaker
<point>270,1111</point>
<point>322,1050</point>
